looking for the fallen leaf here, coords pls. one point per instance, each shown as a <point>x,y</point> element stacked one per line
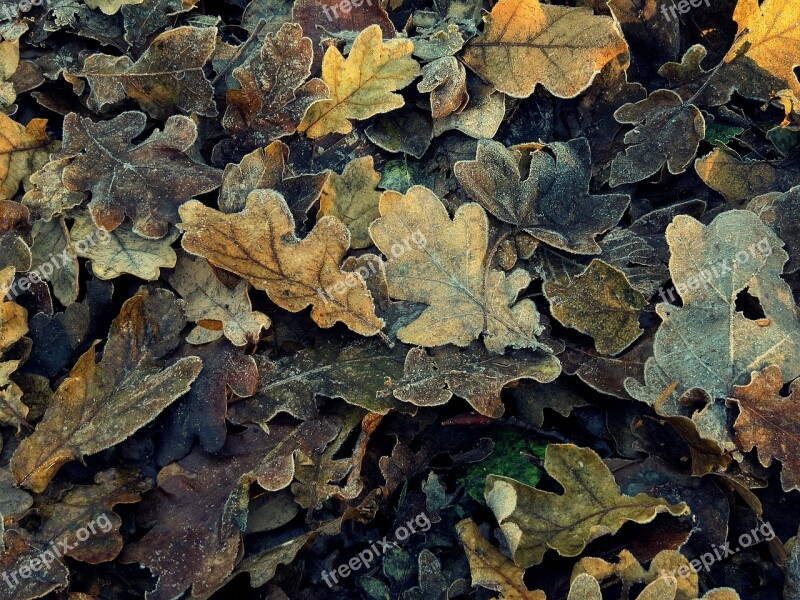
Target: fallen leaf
<point>23,150</point>
<point>352,197</point>
<point>534,521</point>
<point>295,273</point>
<point>274,95</point>
<point>525,43</point>
<point>600,302</point>
<point>168,75</point>
<point>147,180</point>
<point>361,85</point>
<point>474,374</point>
<point>767,421</point>
<point>440,262</point>
<point>101,404</point>
<point>215,308</point>
<point>114,253</point>
<point>552,202</point>
<point>668,131</point>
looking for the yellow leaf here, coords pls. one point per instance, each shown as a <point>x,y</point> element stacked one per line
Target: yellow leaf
<point>362,84</point>
<point>110,7</point>
<point>770,37</point>
<point>23,150</point>
<point>102,403</point>
<point>490,569</point>
<point>525,43</point>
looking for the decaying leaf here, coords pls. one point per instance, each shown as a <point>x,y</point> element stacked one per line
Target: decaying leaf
<point>122,251</point>
<point>295,273</point>
<point>352,198</point>
<point>102,403</point>
<point>668,131</point>
<point>13,325</point>
<point>473,374</point>
<point>168,75</point>
<point>534,521</point>
<point>361,85</point>
<point>23,150</point>
<point>146,180</point>
<point>441,262</point>
<point>492,570</point>
<point>209,492</point>
<point>552,202</point>
<point>601,302</point>
<point>525,43</point>
<point>707,343</point>
<point>274,94</point>
<point>768,421</point>
<point>356,373</point>
<point>215,308</point>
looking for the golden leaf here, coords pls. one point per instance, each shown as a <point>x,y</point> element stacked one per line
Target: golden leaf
<point>525,43</point>
<point>361,85</point>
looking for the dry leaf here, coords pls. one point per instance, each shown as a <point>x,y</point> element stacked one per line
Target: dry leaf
<point>440,262</point>
<point>101,404</point>
<point>525,43</point>
<point>168,75</point>
<point>352,197</point>
<point>534,521</point>
<point>146,180</point>
<point>361,85</point>
<point>260,245</point>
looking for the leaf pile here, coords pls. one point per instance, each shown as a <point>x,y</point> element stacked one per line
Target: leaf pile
<point>400,300</point>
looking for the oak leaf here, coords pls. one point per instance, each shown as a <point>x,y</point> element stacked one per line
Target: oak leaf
<point>356,373</point>
<point>200,414</point>
<point>440,262</point>
<point>199,510</point>
<point>13,326</point>
<point>446,81</point>
<point>352,197</point>
<point>147,180</point>
<point>260,245</point>
<point>274,94</point>
<point>473,374</point>
<point>267,168</point>
<point>217,309</point>
<point>63,515</point>
<point>552,202</point>
<point>490,568</point>
<point>361,85</point>
<point>101,403</point>
<point>23,150</point>
<point>736,179</point>
<point>122,251</point>
<point>111,7</point>
<point>168,75</point>
<point>525,43</point>
<point>534,521</point>
<point>707,343</point>
<point>769,422</point>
